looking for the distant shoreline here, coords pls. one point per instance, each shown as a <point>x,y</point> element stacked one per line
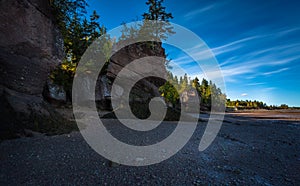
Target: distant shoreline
<point>266,110</point>
<point>279,114</point>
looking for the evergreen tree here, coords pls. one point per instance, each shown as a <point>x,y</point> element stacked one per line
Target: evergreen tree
<point>176,79</point>
<point>78,33</point>
<point>195,84</point>
<point>184,84</point>
<point>169,92</point>
<point>206,91</point>
<point>157,12</point>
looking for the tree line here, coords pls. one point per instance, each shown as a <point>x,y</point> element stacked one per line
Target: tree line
<point>248,104</point>
<point>206,90</point>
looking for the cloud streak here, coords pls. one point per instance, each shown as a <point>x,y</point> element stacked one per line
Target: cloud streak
<point>243,56</point>
<point>255,84</point>
<point>202,53</point>
<point>276,71</point>
<point>194,13</point>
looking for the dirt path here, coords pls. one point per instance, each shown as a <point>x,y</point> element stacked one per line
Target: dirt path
<point>247,151</point>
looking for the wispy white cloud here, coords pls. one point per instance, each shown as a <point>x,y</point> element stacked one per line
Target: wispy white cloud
<point>274,33</point>
<point>250,77</point>
<point>284,61</point>
<point>242,68</point>
<point>281,49</point>
<point>255,84</point>
<point>248,57</point>
<point>198,11</point>
<point>276,71</point>
<point>269,89</point>
<point>287,31</point>
<point>200,52</point>
<point>244,94</point>
<point>234,43</point>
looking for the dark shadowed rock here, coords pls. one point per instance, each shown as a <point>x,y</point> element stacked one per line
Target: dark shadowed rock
<point>30,46</point>
<point>145,88</point>
<point>133,52</point>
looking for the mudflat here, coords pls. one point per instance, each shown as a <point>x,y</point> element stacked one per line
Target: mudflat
<point>252,148</point>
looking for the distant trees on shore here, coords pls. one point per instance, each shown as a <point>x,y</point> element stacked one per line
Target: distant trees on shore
<point>248,104</point>
<point>176,86</point>
<point>206,90</point>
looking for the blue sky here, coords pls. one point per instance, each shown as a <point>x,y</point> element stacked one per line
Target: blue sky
<point>257,43</point>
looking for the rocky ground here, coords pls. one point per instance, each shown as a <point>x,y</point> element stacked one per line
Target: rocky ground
<point>247,151</point>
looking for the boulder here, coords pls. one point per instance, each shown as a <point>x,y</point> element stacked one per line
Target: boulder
<point>54,94</point>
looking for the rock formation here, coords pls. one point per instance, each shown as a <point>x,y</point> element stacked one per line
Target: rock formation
<point>147,87</point>
<point>144,89</point>
<point>30,46</point>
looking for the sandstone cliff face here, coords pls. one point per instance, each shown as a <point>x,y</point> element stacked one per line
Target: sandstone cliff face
<point>147,87</point>
<point>144,55</point>
<point>30,46</point>
<point>142,91</point>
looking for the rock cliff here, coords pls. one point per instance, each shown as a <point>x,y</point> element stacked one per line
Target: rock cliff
<point>30,46</point>
<point>146,88</point>
<point>138,51</point>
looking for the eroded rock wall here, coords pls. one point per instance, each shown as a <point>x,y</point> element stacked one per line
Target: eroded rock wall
<point>148,87</point>
<point>30,46</point>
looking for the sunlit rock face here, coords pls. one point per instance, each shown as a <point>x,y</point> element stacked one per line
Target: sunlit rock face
<point>30,46</point>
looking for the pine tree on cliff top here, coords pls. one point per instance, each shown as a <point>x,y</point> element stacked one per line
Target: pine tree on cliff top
<point>157,12</point>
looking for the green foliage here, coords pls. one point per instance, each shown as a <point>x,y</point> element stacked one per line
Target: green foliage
<point>129,33</point>
<point>284,106</point>
<point>78,33</point>
<point>184,85</point>
<point>157,12</point>
<point>248,104</point>
<point>63,75</point>
<point>173,88</point>
<point>157,29</point>
<point>169,92</point>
